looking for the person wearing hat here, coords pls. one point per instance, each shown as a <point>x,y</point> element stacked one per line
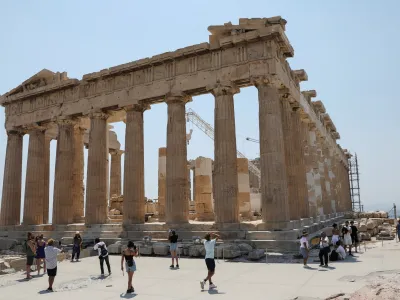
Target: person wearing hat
<point>324,249</point>
<point>304,247</point>
<point>76,248</point>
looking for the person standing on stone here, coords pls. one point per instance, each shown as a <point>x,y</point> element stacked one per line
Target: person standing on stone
<point>40,255</point>
<point>76,248</point>
<point>173,239</point>
<point>304,248</point>
<point>324,250</point>
<point>101,247</point>
<point>130,264</point>
<point>354,235</point>
<point>30,250</point>
<point>51,262</point>
<point>209,245</point>
<point>346,231</point>
<point>335,234</point>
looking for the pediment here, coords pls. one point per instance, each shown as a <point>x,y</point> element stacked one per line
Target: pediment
<point>40,79</point>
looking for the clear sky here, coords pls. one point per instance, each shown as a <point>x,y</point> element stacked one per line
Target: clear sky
<point>345,47</point>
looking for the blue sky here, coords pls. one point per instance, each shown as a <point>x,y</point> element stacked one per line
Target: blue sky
<point>345,47</point>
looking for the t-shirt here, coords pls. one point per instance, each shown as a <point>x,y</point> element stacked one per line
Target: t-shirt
<point>51,256</point>
<point>29,251</point>
<point>324,242</point>
<point>173,238</point>
<point>209,246</point>
<point>342,253</point>
<point>99,246</point>
<point>302,241</point>
<point>353,230</point>
<point>398,227</point>
<point>77,241</point>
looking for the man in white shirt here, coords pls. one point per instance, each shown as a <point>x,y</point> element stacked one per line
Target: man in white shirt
<point>51,253</point>
<point>209,245</point>
<point>101,247</point>
<point>340,250</point>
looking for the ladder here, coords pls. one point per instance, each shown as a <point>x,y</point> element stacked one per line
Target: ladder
<point>192,116</point>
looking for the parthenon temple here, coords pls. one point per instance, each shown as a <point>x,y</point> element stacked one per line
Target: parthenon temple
<point>304,171</point>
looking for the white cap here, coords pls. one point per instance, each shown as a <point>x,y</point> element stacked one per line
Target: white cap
<point>77,232</point>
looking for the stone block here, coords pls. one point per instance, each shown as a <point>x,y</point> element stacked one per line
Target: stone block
<point>371,224</point>
<point>365,236</point>
<point>115,248</point>
<point>227,251</point>
<point>161,249</point>
<point>6,243</point>
<point>18,264</point>
<point>362,227</point>
<point>245,248</point>
<point>256,254</point>
<point>197,250</point>
<point>146,250</point>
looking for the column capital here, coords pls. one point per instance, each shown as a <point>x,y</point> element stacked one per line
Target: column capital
<point>172,97</point>
<point>137,107</point>
<point>267,80</point>
<point>63,120</point>
<point>34,127</point>
<point>16,131</point>
<point>99,114</point>
<point>223,88</point>
<point>116,152</point>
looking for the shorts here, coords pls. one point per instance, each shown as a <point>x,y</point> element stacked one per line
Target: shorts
<point>130,269</point>
<point>354,239</point>
<point>52,272</point>
<point>29,260</point>
<point>304,252</point>
<point>335,239</point>
<point>210,262</point>
<point>347,240</point>
<point>173,246</point>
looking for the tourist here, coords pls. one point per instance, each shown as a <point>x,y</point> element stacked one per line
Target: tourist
<point>51,262</point>
<point>30,250</point>
<point>324,250</point>
<point>209,244</point>
<point>101,247</point>
<point>304,248</point>
<point>398,230</point>
<point>76,248</point>
<point>340,250</point>
<point>40,255</point>
<point>354,235</point>
<point>130,264</point>
<point>346,231</point>
<point>173,239</point>
<point>335,234</point>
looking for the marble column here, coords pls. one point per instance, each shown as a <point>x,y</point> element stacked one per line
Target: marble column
<point>202,183</point>
<point>134,200</point>
<point>115,174</point>
<point>244,187</point>
<point>288,137</point>
<point>177,206</point>
<point>225,154</point>
<point>335,183</point>
<point>313,175</point>
<point>274,185</point>
<point>78,176</point>
<point>34,184</point>
<point>96,184</point>
<point>11,196</point>
<point>64,173</point>
<point>324,175</point>
<point>162,182</point>
<point>46,198</point>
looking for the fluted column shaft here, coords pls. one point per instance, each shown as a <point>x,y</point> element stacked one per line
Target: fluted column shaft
<point>324,175</point>
<point>46,198</point>
<point>274,186</point>
<point>162,182</point>
<point>34,184</point>
<point>78,201</point>
<point>134,205</point>
<point>64,173</point>
<point>11,196</point>
<point>177,205</point>
<point>96,184</point>
<point>115,174</point>
<point>225,155</point>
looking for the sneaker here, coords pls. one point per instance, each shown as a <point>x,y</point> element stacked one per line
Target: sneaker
<point>321,265</point>
<point>326,266</point>
<point>171,266</point>
<point>212,286</point>
<point>177,266</point>
<point>50,289</point>
<point>130,291</point>
<point>109,273</point>
<point>202,284</point>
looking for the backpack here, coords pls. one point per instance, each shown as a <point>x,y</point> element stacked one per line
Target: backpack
<point>334,256</point>
<point>103,251</point>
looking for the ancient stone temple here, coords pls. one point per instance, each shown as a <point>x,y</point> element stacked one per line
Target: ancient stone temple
<point>304,177</point>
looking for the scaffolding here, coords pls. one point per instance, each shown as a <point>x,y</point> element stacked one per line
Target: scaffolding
<point>354,178</point>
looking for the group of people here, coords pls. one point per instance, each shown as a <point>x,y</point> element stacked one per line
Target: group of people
<point>341,241</point>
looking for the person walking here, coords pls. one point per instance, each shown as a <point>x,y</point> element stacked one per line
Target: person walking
<point>304,248</point>
<point>128,254</point>
<point>173,240</point>
<point>354,235</point>
<point>346,231</point>
<point>324,250</point>
<point>209,245</point>
<point>40,254</point>
<point>51,253</point>
<point>76,248</point>
<point>101,247</point>
<point>30,250</point>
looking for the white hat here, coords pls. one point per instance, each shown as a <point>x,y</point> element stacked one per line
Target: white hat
<point>77,232</point>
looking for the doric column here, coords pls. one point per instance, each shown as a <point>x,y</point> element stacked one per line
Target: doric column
<point>34,184</point>
<point>134,203</point>
<point>46,200</point>
<point>115,174</point>
<point>78,190</point>
<point>288,137</point>
<point>177,206</point>
<point>243,187</point>
<point>335,183</point>
<point>324,175</point>
<point>162,182</point>
<point>203,189</point>
<point>96,183</point>
<point>64,173</point>
<point>11,197</point>
<point>274,186</point>
<point>225,154</point>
